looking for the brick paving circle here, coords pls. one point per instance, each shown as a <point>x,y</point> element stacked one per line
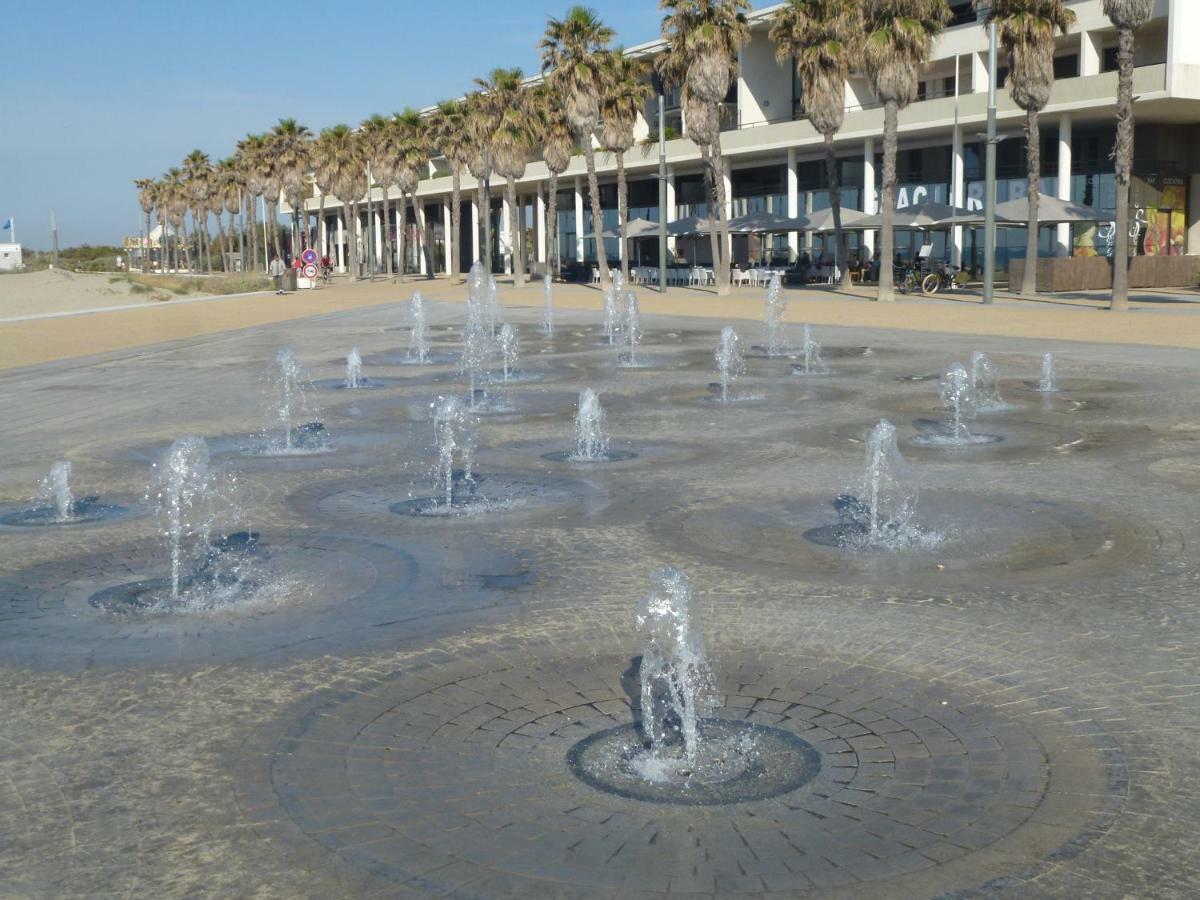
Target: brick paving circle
<point>427,778</point>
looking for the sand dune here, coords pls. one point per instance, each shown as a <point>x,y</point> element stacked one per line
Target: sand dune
<point>50,291</point>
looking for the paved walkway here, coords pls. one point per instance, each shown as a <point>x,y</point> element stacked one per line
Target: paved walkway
<point>1153,321</point>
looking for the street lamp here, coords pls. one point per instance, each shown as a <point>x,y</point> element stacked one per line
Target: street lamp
<point>662,197</point>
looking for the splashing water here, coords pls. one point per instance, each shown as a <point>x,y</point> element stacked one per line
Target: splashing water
<point>632,325</point>
<point>183,495</point>
<point>730,363</point>
<point>476,350</point>
<point>418,337</point>
<point>591,434</point>
<point>548,309</point>
<point>454,429</point>
<point>1048,383</point>
<point>293,411</point>
<point>509,349</point>
<point>880,514</point>
<point>493,305</point>
<point>773,312</point>
<point>677,684</point>
<point>55,490</point>
<point>477,299</point>
<point>611,315</point>
<point>985,383</point>
<point>354,376</point>
<point>959,399</point>
<point>813,363</point>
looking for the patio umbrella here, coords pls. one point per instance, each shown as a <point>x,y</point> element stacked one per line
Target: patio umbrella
<point>634,228</point>
<point>764,223</point>
<point>1051,211</point>
<point>928,215</point>
<point>690,226</point>
<point>822,220</point>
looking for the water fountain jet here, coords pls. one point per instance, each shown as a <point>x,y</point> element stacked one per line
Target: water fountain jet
<point>354,376</point>
<point>730,362</point>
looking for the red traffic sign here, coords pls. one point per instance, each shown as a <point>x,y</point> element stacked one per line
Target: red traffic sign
<point>310,271</point>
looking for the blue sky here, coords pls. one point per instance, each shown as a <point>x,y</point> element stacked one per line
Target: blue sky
<point>95,95</point>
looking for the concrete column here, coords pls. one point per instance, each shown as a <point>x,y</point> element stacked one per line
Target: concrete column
<point>341,241</point>
<point>580,226</point>
<point>808,209</point>
<point>870,206</point>
<point>980,79</point>
<point>1193,232</point>
<point>1089,53</point>
<point>475,257</point>
<point>1063,232</point>
<point>361,254</point>
<point>793,202</point>
<point>507,250</point>
<point>323,236</point>
<point>377,224</point>
<point>728,178</point>
<point>451,241</point>
<point>541,223</point>
<point>958,193</point>
<point>671,213</point>
<point>422,268</point>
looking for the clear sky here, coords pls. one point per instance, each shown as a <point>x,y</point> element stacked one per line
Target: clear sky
<point>93,95</point>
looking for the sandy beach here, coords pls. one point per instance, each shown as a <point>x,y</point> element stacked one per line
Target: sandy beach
<point>59,315</point>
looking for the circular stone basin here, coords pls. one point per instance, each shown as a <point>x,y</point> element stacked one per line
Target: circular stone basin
<point>366,383</point>
<point>489,495</point>
<point>83,511</point>
<point>955,535</point>
<point>570,456</point>
<point>736,762</point>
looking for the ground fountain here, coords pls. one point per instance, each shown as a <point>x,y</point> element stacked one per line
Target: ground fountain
<point>476,351</point>
<point>493,305</point>
<point>813,364</point>
<point>591,435</point>
<point>354,375</point>
<point>958,399</point>
<point>477,295</point>
<point>418,336</point>
<point>985,384</point>
<point>632,330</point>
<point>611,315</point>
<point>1049,382</point>
<point>548,308</point>
<point>454,429</point>
<point>730,362</point>
<point>776,305</point>
<point>55,491</point>
<point>55,503</point>
<point>298,429</point>
<point>677,751</point>
<point>509,348</point>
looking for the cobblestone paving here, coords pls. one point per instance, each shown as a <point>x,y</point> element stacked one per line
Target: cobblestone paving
<point>1010,714</point>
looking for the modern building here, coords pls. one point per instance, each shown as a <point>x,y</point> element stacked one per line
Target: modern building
<point>775,157</point>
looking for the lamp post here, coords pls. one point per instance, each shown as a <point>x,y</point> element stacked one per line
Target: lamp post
<point>370,228</point>
<point>989,211</point>
<point>662,198</point>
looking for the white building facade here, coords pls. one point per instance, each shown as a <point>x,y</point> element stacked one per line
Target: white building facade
<point>775,158</point>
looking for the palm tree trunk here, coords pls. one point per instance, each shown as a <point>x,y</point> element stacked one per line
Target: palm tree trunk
<point>589,156</point>
<point>252,224</point>
<point>146,246</point>
<point>1123,162</point>
<point>477,201</point>
<point>887,202</point>
<point>423,242</point>
<point>623,213</point>
<point>518,261</point>
<point>207,239</point>
<point>485,212</point>
<point>321,226</point>
<point>455,226</point>
<point>1033,151</point>
<point>220,242</point>
<point>714,231</point>
<point>387,232</point>
<point>835,203</point>
<point>723,282</point>
<point>552,227</point>
<point>402,237</point>
<point>273,219</point>
<point>352,239</point>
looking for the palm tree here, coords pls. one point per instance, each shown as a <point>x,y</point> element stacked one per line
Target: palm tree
<point>625,94</point>
<point>1128,16</point>
<point>480,129</point>
<point>291,149</point>
<point>413,151</point>
<point>558,145</point>
<point>197,170</point>
<point>146,188</point>
<point>350,184</point>
<point>574,52</point>
<point>334,151</point>
<point>379,144</point>
<point>704,38</point>
<point>175,200</point>
<point>899,36</point>
<point>513,138</point>
<point>821,38</point>
<point>227,190</point>
<point>1026,29</point>
<point>448,131</point>
<point>249,154</point>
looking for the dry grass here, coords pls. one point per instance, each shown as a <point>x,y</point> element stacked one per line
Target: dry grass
<point>163,286</point>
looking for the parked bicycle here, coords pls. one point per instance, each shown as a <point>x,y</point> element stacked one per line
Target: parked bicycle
<point>907,278</point>
<point>941,278</point>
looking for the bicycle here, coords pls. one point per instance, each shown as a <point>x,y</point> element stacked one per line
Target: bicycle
<point>906,278</point>
<point>943,277</point>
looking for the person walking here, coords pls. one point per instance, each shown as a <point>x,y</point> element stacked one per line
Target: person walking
<point>276,270</point>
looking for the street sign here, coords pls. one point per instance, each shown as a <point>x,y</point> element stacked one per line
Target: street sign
<point>309,256</point>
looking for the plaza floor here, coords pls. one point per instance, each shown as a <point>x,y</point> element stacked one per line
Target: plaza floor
<point>1012,713</point>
